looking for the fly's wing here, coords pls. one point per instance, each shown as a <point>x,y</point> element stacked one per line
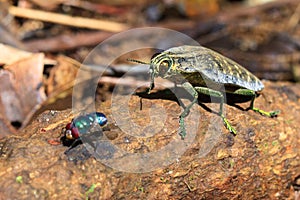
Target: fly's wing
<point>97,144</point>
<point>78,153</point>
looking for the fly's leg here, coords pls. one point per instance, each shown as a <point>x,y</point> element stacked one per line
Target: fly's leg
<point>74,144</point>
<point>251,93</point>
<point>217,94</point>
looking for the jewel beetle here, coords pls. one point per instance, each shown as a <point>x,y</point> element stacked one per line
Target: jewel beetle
<point>202,70</point>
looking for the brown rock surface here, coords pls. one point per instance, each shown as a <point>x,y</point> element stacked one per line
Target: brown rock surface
<point>260,162</point>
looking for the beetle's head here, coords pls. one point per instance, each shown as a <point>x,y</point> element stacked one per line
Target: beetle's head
<point>161,65</point>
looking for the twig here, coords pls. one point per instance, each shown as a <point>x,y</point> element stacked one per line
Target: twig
<point>67,41</point>
<point>191,189</point>
<point>67,20</point>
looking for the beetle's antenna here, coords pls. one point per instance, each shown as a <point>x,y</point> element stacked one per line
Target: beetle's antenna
<point>137,61</point>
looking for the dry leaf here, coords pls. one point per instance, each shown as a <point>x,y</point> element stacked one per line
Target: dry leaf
<point>10,55</point>
<point>62,75</point>
<point>21,89</point>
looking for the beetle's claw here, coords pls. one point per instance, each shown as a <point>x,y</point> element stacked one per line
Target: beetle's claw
<point>228,125</point>
<point>231,129</point>
<point>268,114</point>
<point>182,135</point>
<point>274,113</point>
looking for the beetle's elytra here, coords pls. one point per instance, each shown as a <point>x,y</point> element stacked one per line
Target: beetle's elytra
<point>202,70</point>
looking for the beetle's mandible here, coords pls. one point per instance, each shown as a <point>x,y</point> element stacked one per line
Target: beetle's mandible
<point>202,70</point>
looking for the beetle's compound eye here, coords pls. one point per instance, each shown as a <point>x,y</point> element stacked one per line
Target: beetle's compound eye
<point>164,66</point>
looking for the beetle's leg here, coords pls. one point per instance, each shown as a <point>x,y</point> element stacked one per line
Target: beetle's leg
<point>150,87</point>
<point>175,87</point>
<point>217,94</point>
<point>251,93</point>
<point>151,82</point>
<point>191,90</point>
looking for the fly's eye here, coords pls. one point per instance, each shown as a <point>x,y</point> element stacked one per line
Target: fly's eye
<point>69,135</point>
<point>164,66</point>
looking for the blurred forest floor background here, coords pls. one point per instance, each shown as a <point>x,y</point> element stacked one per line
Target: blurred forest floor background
<point>43,44</point>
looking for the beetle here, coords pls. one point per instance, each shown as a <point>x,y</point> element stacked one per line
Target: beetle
<point>202,70</point>
<point>81,125</point>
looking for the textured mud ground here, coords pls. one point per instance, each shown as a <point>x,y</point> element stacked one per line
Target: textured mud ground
<point>261,162</point>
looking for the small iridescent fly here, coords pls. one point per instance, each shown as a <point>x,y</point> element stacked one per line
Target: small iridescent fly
<point>81,125</point>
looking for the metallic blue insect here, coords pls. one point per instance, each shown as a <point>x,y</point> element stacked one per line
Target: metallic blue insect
<point>81,125</point>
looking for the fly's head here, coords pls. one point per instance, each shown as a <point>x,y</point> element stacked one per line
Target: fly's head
<point>70,131</point>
